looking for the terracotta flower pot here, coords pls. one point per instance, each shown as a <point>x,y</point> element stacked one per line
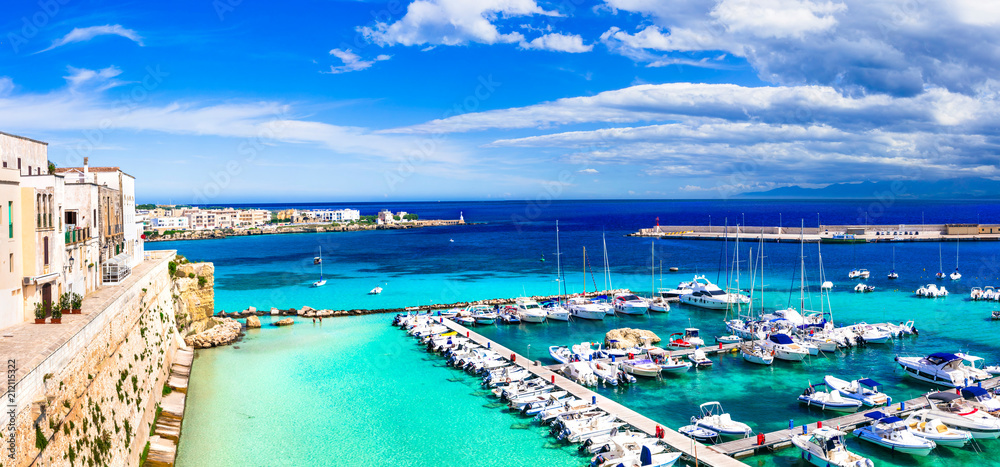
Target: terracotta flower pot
<point>39,320</point>
<point>55,320</point>
<point>76,311</point>
<point>66,311</point>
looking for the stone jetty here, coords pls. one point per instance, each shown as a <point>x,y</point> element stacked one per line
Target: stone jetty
<point>224,332</point>
<point>624,338</point>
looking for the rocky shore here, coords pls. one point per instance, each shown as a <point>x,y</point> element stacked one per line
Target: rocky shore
<point>625,338</point>
<point>225,233</point>
<point>225,331</point>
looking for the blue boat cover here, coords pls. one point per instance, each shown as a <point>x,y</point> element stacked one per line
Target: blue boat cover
<point>868,382</point>
<point>646,457</point>
<point>876,415</point>
<point>781,339</point>
<point>891,420</point>
<point>944,396</point>
<point>974,391</point>
<point>944,356</point>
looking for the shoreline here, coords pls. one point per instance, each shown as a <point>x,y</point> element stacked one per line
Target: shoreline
<point>301,228</point>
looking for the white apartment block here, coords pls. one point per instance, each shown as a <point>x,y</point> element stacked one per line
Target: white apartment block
<point>170,223</point>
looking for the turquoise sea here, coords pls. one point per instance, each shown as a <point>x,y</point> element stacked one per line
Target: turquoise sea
<point>356,391</point>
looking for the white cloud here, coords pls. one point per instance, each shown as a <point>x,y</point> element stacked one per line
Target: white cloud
<point>86,34</point>
<point>777,18</point>
<point>6,85</point>
<point>352,61</point>
<point>100,79</point>
<point>558,42</point>
<point>587,171</point>
<point>453,22</point>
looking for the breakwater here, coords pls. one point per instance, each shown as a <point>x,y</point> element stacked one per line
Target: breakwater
<point>303,228</point>
<point>309,312</point>
<point>830,233</point>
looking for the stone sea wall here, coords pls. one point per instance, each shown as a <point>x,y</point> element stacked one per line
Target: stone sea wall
<point>219,234</point>
<point>98,408</point>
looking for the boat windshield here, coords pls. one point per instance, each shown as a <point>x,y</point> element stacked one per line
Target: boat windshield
<point>716,292</point>
<point>530,306</point>
<point>629,298</point>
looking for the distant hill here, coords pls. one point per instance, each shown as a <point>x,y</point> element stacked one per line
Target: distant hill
<point>955,188</point>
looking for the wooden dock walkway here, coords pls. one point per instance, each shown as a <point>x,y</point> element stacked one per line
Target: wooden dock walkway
<point>691,449</point>
<point>783,438</point>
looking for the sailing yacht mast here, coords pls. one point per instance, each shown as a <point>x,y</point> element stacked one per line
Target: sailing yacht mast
<point>652,269</point>
<point>607,265</point>
<point>802,268</point>
<point>584,271</point>
<point>560,287</point>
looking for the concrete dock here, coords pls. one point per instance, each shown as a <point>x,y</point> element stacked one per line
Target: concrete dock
<point>691,450</point>
<point>830,233</point>
<point>783,438</point>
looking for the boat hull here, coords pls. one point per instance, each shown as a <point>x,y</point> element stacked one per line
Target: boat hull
<point>528,318</point>
<point>591,315</point>
<point>843,407</point>
<point>916,450</point>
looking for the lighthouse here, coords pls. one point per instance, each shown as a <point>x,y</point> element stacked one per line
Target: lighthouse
<point>461,219</point>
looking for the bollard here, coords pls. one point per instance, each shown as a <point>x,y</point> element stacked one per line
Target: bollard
<point>488,344</point>
<point>466,333</point>
<point>791,424</point>
<point>720,345</point>
<point>805,429</point>
<point>819,424</point>
<point>590,358</point>
<point>612,359</point>
<point>593,400</point>
<point>553,379</point>
<point>980,385</point>
<point>902,406</point>
<point>513,357</point>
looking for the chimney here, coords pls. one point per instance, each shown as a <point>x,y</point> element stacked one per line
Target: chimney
<point>86,168</point>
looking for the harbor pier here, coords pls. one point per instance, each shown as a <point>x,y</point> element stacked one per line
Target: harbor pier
<point>831,233</point>
<point>691,450</point>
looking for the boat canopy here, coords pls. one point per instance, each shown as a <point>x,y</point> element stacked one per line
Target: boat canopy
<point>782,339</point>
<point>878,415</point>
<point>868,382</point>
<point>944,396</point>
<point>942,357</point>
<point>974,392</point>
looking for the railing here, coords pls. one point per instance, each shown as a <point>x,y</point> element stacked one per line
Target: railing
<point>77,236</point>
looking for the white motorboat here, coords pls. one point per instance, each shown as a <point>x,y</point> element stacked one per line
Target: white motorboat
<point>754,353</point>
<point>871,334</point>
<point>825,447</point>
<point>581,308</point>
<point>641,367</point>
<point>699,433</point>
<point>561,353</point>
<point>699,359</point>
<point>598,426</point>
<point>518,403</point>
<point>686,340</point>
<point>714,418</point>
<point>659,305</point>
<point>705,294</point>
<point>556,312</point>
<point>629,304</point>
<point>863,288</point>
<point>682,288</point>
<point>974,366</point>
<point>784,347</point>
<point>933,429</point>
<point>465,320</point>
<point>630,453</point>
<point>747,329</point>
<point>674,365</point>
<point>941,368</point>
<point>864,390</point>
<point>976,293</point>
<point>828,400</point>
<point>859,274</point>
<point>529,310</point>
<point>891,432</point>
<point>981,399</point>
<point>730,339</point>
<point>606,372</point>
<point>957,412</point>
<point>585,350</point>
<point>932,291</point>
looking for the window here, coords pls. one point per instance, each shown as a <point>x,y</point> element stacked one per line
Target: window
<point>45,250</point>
<point>18,163</point>
<point>70,218</point>
<point>10,218</point>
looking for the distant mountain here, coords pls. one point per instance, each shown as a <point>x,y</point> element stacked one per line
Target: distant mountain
<point>955,188</point>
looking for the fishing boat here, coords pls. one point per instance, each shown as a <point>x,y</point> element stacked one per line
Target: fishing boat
<point>321,282</point>
<point>674,365</point>
<point>714,418</point>
<point>699,433</point>
<point>629,304</point>
<point>641,367</point>
<point>825,447</point>
<point>705,294</point>
<point>699,359</point>
<point>933,429</point>
<point>784,347</point>
<point>864,390</point>
<point>828,400</point>
<point>686,340</point>
<point>892,273</point>
<point>955,411</point>
<point>941,368</point>
<point>891,432</point>
<point>754,353</point>
<point>529,310</point>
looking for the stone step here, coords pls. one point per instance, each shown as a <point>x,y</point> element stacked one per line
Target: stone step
<point>173,405</point>
<point>184,357</point>
<point>180,370</point>
<point>178,383</point>
<point>162,452</point>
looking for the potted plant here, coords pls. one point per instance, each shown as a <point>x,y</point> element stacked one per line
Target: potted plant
<point>65,303</point>
<point>39,313</point>
<point>77,303</point>
<point>56,315</point>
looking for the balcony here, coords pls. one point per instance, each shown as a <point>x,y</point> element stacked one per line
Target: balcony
<point>77,236</point>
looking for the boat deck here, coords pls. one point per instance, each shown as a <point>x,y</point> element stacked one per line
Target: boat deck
<point>691,450</point>
<point>783,438</point>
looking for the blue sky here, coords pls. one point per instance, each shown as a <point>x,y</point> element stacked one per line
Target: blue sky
<point>237,100</point>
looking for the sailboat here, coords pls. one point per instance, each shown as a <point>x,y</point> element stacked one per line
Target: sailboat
<point>321,282</point>
<point>658,304</point>
<point>377,290</point>
<point>557,311</point>
<point>956,275</point>
<point>940,274</point>
<point>892,273</point>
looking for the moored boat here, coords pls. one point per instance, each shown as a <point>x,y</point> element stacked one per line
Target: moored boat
<point>891,432</point>
<point>828,400</point>
<point>714,418</point>
<point>825,447</point>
